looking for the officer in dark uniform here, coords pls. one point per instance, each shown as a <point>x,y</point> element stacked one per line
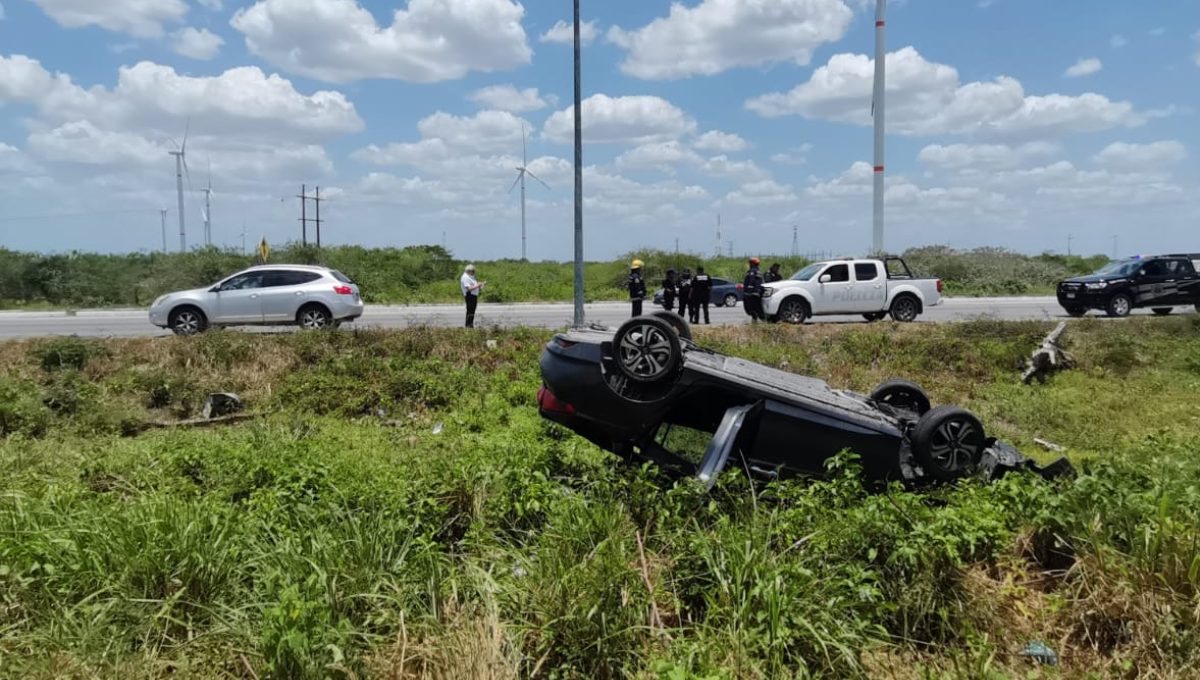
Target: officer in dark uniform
<point>669,291</point>
<point>752,292</point>
<point>773,274</point>
<point>637,287</point>
<point>701,292</point>
<point>685,290</point>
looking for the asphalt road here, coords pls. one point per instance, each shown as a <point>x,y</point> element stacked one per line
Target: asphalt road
<point>134,322</point>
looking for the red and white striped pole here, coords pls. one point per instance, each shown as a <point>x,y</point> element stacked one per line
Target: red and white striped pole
<point>878,113</point>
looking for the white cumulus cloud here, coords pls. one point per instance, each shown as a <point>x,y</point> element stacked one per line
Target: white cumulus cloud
<point>563,32</point>
<point>718,35</point>
<point>509,98</point>
<point>1153,157</point>
<point>715,140</point>
<point>925,98</point>
<point>200,44</point>
<point>141,18</point>
<point>639,119</point>
<point>339,41</point>
<point>1084,67</point>
<point>983,157</point>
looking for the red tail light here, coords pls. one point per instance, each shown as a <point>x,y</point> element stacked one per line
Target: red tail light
<point>939,285</point>
<point>739,286</point>
<point>563,343</point>
<point>343,290</point>
<point>548,402</point>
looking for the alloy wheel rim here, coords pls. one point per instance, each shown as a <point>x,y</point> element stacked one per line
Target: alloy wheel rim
<point>314,320</point>
<point>793,312</point>
<point>1121,306</point>
<point>646,351</point>
<point>954,444</point>
<point>906,309</point>
<point>187,323</point>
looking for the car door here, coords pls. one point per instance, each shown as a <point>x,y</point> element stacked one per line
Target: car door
<point>239,299</point>
<point>1154,286</point>
<point>870,291</point>
<point>284,290</point>
<point>834,290</point>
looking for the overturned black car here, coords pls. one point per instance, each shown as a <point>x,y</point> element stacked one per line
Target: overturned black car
<point>646,392</point>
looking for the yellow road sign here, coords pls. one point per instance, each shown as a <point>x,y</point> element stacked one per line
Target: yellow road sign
<point>264,251</point>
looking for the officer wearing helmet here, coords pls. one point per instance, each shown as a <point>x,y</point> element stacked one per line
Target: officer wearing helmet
<point>637,287</point>
<point>752,292</point>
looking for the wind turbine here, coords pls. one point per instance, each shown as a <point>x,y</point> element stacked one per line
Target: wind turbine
<point>521,172</point>
<point>206,211</point>
<point>180,169</point>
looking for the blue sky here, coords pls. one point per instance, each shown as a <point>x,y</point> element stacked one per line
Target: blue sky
<point>1013,123</point>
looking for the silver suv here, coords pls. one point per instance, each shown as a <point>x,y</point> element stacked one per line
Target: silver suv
<point>268,295</point>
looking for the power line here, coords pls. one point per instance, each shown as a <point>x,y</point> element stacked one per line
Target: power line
<point>52,216</point>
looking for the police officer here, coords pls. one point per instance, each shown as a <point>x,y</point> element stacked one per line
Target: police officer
<point>701,292</point>
<point>685,290</point>
<point>752,292</point>
<point>773,274</point>
<point>669,291</point>
<point>637,287</point>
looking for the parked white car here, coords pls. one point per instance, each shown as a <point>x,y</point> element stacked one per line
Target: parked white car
<point>268,295</point>
<point>871,287</point>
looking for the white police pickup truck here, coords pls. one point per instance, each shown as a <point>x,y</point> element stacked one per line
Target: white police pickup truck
<point>871,287</point>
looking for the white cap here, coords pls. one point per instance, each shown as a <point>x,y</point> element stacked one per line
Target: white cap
<point>470,268</point>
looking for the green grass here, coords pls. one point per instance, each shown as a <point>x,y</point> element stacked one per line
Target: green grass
<point>401,511</point>
<point>429,274</point>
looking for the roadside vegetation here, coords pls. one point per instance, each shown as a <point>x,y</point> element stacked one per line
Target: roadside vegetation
<point>400,510</point>
<point>425,274</point>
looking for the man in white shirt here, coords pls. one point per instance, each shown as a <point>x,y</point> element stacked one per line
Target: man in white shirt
<point>470,290</point>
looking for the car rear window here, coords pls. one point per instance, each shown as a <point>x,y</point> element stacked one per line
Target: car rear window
<point>341,277</point>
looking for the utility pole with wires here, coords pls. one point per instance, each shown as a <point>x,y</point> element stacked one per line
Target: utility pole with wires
<point>717,253</point>
<point>795,240</point>
<point>1069,239</point>
<point>676,245</point>
<point>305,219</point>
<point>243,237</point>
<point>730,249</point>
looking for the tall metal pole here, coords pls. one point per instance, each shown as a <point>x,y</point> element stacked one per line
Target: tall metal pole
<point>179,183</point>
<point>578,182</point>
<point>163,213</point>
<point>207,218</point>
<point>303,216</point>
<point>878,113</point>
<point>318,202</point>
<point>522,213</point>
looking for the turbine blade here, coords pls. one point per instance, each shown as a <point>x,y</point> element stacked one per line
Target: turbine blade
<point>186,128</point>
<point>524,160</point>
<point>537,178</point>
<point>514,186</point>
<point>173,143</point>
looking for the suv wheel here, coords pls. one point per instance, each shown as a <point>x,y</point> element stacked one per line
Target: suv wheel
<point>188,321</point>
<point>793,310</point>
<point>902,394</point>
<point>677,322</point>
<point>314,317</point>
<point>949,442</point>
<point>905,309</point>
<point>730,300</point>
<point>647,350</point>
<point>1119,305</point>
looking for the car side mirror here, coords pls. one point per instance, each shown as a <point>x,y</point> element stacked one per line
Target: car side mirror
<point>215,289</point>
<point>825,278</point>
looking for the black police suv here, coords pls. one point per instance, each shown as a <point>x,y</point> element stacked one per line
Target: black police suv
<point>1160,282</point>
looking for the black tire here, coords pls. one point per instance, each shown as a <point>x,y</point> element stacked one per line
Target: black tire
<point>1119,305</point>
<point>905,308</point>
<point>647,350</point>
<point>874,316</point>
<point>1076,311</point>
<point>187,320</point>
<point>794,310</point>
<point>1162,311</point>
<point>730,300</point>
<point>680,324</point>
<point>312,317</point>
<point>902,394</point>
<point>949,442</point>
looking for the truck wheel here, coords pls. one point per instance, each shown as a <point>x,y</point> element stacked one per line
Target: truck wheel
<point>1076,311</point>
<point>730,300</point>
<point>647,349</point>
<point>902,394</point>
<point>1119,305</point>
<point>905,308</point>
<point>1161,311</point>
<point>874,316</point>
<point>794,310</point>
<point>677,322</point>
<point>949,442</point>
